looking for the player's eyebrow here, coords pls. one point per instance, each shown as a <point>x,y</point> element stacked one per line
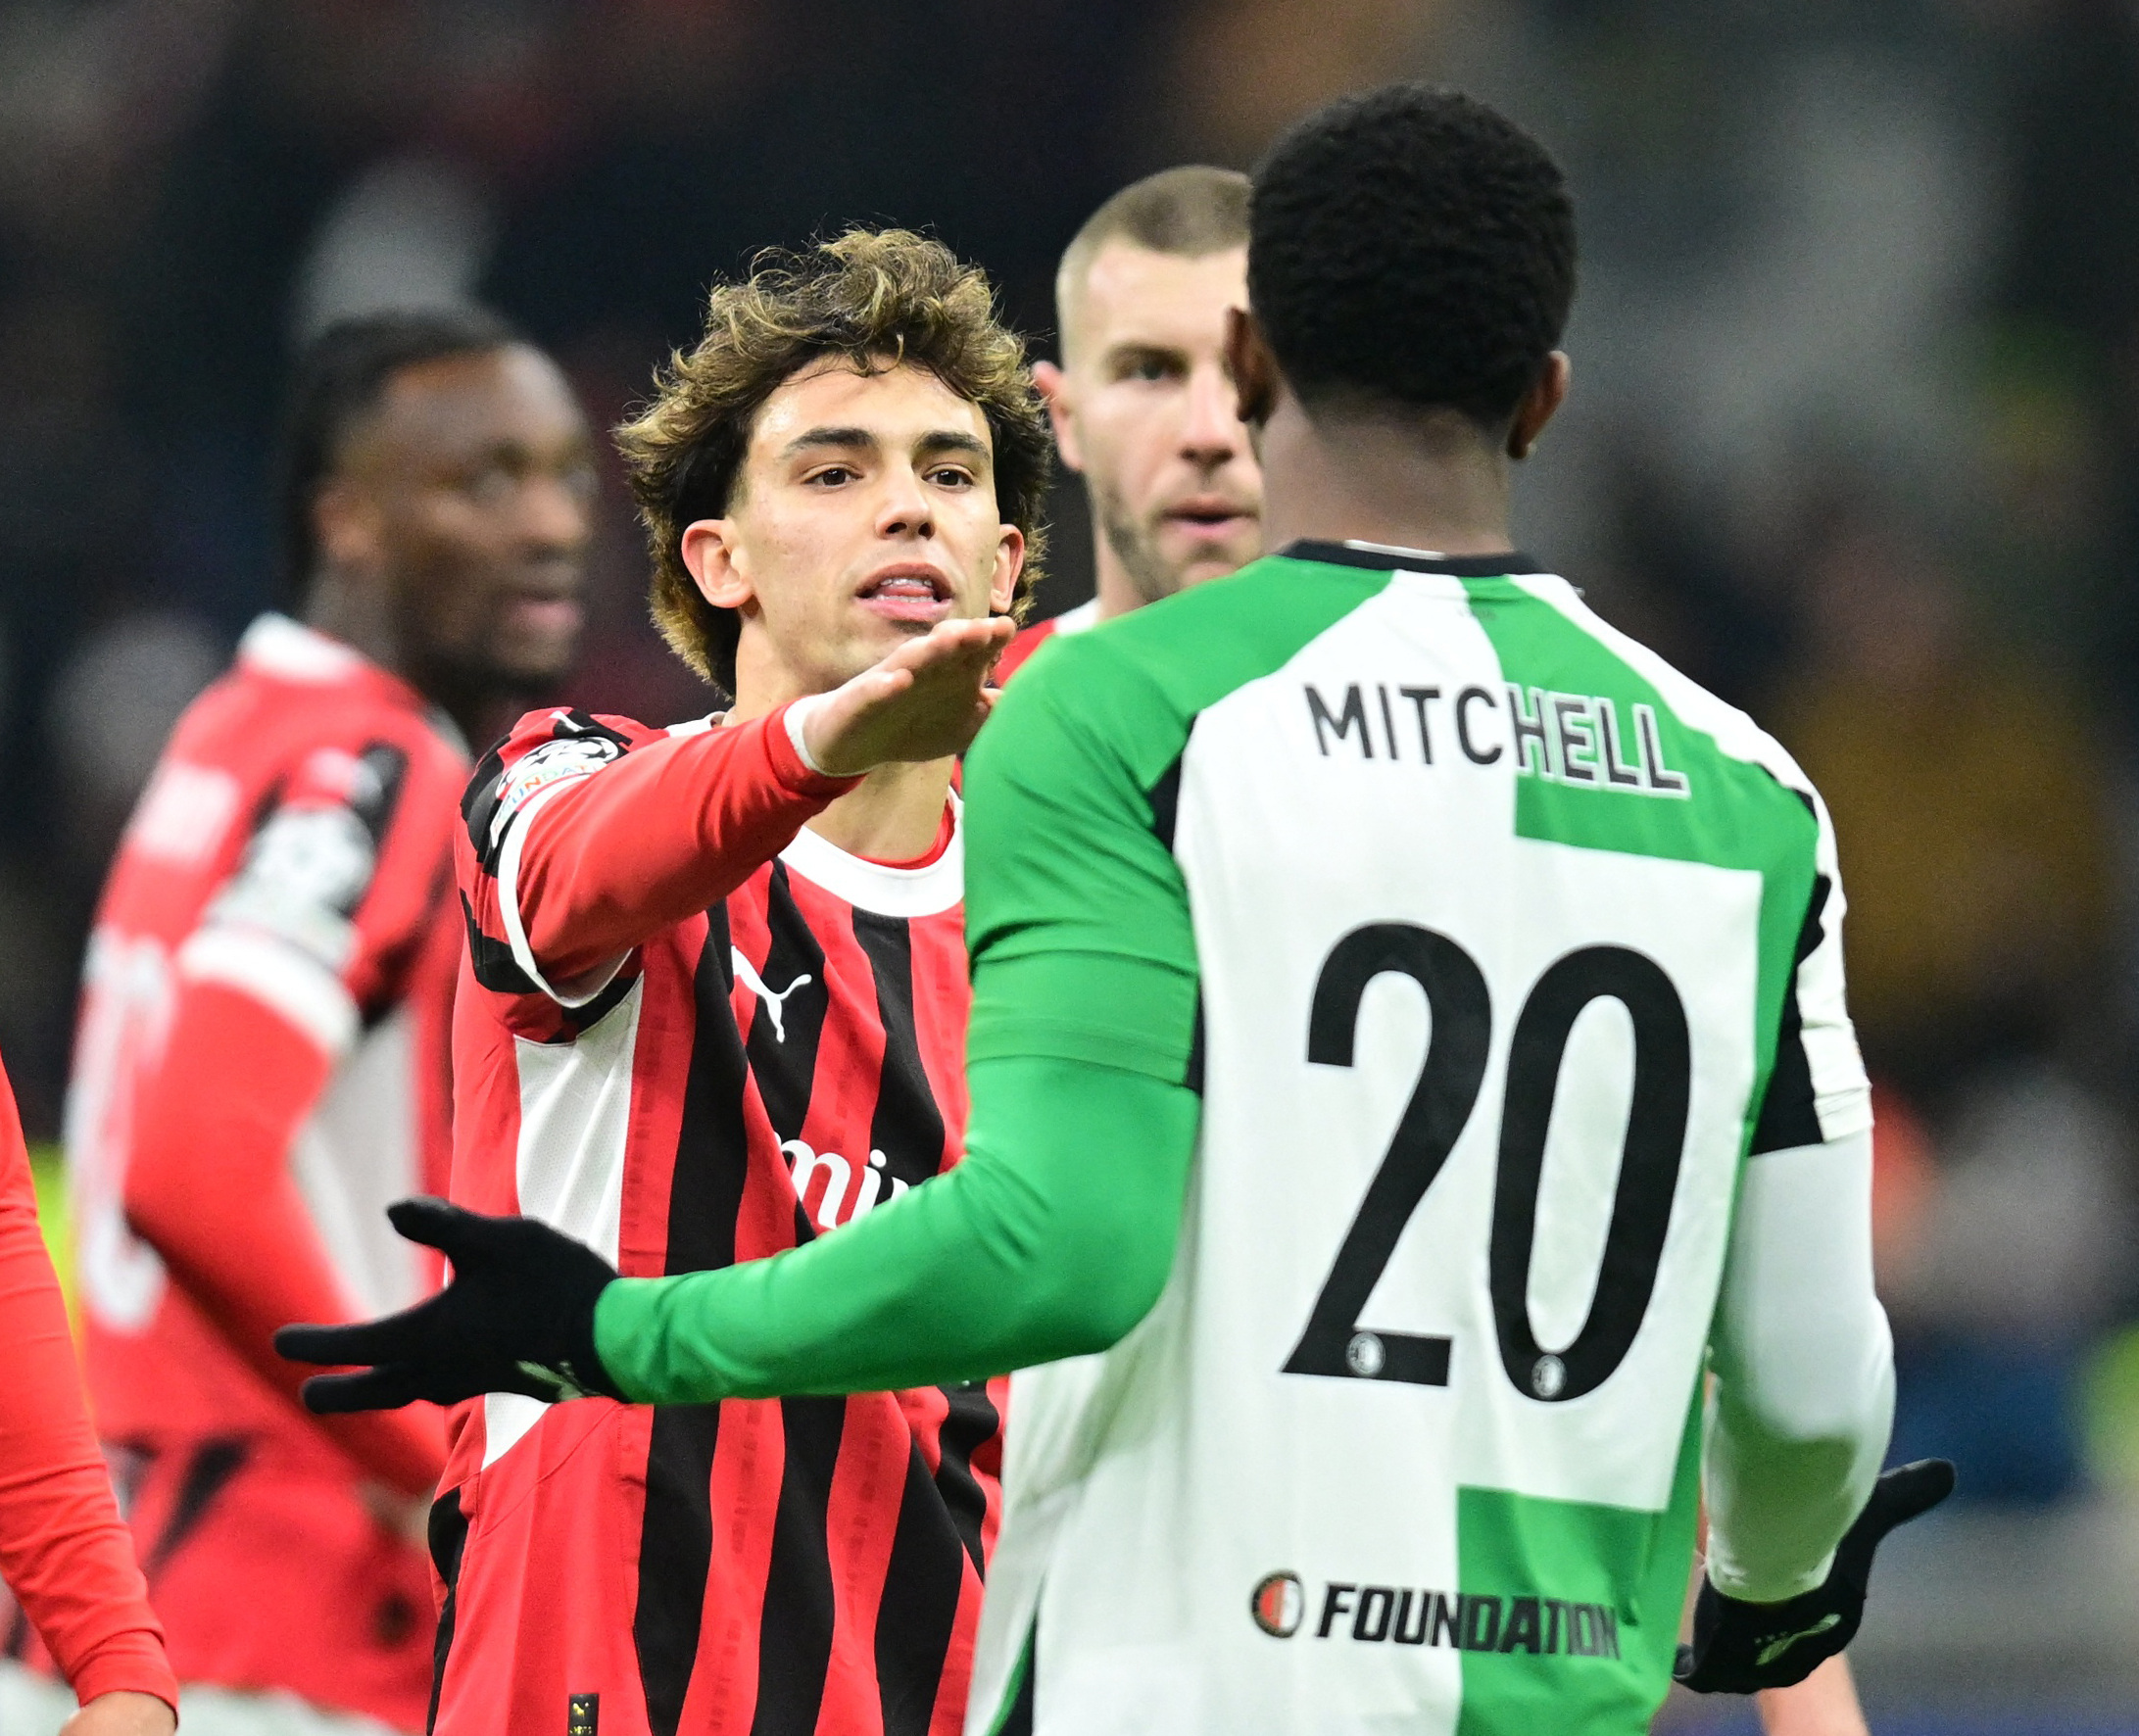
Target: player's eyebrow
<point>843,439</point>
<point>944,440</point>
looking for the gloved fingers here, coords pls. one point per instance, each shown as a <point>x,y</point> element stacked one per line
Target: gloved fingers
<point>1909,1492</point>
<point>389,1339</point>
<point>385,1388</point>
<point>454,1231</point>
<point>1900,1495</point>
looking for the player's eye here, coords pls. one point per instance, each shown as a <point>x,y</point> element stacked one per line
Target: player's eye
<point>1149,369</point>
<point>492,485</point>
<point>831,476</point>
<point>950,476</point>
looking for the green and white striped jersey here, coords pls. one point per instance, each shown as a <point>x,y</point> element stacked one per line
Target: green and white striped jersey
<point>1506,944</point>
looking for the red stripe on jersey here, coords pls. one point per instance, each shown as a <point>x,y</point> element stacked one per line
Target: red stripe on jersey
<point>986,1465</point>
<point>940,1005</point>
<point>861,1522</point>
<point>947,1716</point>
<point>748,1465</point>
<point>926,1407</point>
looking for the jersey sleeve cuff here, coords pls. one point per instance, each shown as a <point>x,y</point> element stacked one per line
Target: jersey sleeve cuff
<point>789,750</point>
<point>135,1664</point>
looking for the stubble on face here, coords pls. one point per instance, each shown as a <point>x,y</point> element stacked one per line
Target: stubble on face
<point>1134,542</point>
<point>1175,488</point>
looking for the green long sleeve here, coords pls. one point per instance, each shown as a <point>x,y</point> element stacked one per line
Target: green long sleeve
<point>1052,1238</point>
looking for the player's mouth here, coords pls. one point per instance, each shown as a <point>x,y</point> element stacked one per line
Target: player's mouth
<point>912,590</point>
<point>1208,518</point>
<point>546,612</point>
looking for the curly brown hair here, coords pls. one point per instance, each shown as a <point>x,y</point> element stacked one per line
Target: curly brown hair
<point>877,298</point>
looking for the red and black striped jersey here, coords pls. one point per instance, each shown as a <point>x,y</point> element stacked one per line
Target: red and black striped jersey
<point>691,1032</point>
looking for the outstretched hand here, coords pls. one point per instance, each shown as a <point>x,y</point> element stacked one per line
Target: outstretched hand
<point>518,1317</point>
<point>1742,1648</point>
<point>925,701</point>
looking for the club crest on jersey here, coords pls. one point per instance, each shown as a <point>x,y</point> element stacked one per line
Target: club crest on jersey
<point>553,762</point>
<point>1279,1604</point>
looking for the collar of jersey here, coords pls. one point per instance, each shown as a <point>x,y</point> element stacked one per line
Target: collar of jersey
<point>872,886</point>
<point>1381,558</point>
<point>283,649</point>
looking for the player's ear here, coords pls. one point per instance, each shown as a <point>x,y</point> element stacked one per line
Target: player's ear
<point>1053,387</point>
<point>1009,563</point>
<point>1538,404</point>
<point>709,550</point>
<point>345,527</point>
<point>1255,370</point>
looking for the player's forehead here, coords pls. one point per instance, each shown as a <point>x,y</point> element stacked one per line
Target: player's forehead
<point>457,408</point>
<point>898,406</point>
<point>1137,296</point>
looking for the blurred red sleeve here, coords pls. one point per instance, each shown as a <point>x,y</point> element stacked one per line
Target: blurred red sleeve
<point>62,1547</point>
<point>209,1188</point>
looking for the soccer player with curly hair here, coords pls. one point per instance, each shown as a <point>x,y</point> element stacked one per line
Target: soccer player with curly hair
<point>715,1006</point>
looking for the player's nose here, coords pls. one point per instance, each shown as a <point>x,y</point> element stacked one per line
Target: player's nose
<point>904,507</point>
<point>1211,432</point>
<point>555,518</point>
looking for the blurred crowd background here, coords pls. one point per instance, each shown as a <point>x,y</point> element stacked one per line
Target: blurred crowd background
<point>1855,439</point>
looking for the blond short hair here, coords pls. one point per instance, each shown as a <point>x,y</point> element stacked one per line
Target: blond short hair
<point>1189,212</point>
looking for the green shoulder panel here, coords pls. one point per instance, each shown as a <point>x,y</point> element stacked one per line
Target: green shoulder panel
<point>1076,916</point>
<point>1697,802</point>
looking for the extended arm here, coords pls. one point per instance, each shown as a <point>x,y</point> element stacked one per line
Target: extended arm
<point>1052,1238</point>
<point>62,1547</point>
<point>593,859</point>
<point>594,863</point>
<point>1804,1392</point>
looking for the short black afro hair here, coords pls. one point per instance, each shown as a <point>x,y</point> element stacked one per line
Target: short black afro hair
<point>1410,246</point>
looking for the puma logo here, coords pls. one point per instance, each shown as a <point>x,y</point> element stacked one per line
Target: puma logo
<point>775,1005</point>
<point>1774,1648</point>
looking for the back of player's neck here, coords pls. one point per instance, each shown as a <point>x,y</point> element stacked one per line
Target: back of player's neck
<point>1365,479</point>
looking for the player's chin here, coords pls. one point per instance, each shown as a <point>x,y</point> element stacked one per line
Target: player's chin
<point>1194,556</point>
<point>531,668</point>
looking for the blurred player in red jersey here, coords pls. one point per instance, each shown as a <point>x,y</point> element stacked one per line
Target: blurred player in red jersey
<point>716,1006</point>
<point>262,1054</point>
<point>1142,403</point>
<point>62,1547</point>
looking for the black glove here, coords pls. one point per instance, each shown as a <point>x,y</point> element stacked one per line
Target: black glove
<point>1741,1648</point>
<point>518,1317</point>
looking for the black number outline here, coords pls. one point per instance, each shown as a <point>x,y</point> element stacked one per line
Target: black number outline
<point>1440,1105</point>
<point>1460,1008</point>
<point>1650,1159</point>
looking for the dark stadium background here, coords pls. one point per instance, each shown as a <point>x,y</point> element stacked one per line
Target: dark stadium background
<point>1855,441</point>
